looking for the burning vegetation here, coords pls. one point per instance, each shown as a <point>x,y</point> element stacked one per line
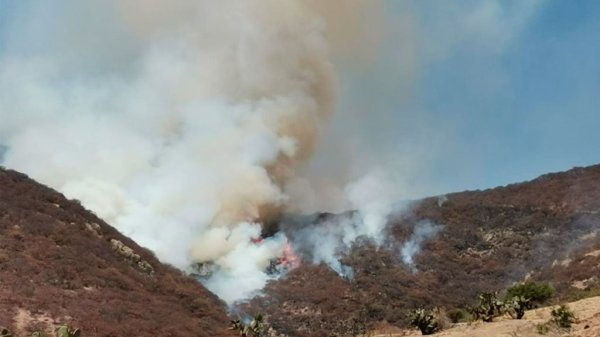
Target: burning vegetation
<point>278,266</point>
<point>490,239</point>
<point>286,262</point>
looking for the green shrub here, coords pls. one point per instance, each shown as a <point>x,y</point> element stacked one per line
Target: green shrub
<point>536,292</point>
<point>457,315</point>
<point>562,317</point>
<point>424,320</point>
<point>542,328</point>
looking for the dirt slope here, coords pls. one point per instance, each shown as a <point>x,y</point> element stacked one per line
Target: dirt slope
<point>587,312</point>
<point>61,264</point>
<point>545,229</point>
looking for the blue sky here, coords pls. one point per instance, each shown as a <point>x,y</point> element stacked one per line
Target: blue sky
<point>504,100</point>
<point>545,114</point>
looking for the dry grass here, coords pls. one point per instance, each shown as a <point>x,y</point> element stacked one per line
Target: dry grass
<point>587,312</point>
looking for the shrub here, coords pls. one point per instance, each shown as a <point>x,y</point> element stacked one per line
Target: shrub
<point>424,320</point>
<point>351,327</point>
<point>457,315</point>
<point>542,328</point>
<point>536,292</point>
<point>562,317</point>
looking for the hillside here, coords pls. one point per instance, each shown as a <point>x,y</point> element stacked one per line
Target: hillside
<point>545,229</point>
<point>61,264</point>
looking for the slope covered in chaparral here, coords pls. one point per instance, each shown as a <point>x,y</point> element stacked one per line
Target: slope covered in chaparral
<point>60,264</point>
<point>545,229</point>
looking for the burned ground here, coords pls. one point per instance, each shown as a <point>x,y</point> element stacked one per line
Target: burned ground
<point>545,229</point>
<point>60,264</point>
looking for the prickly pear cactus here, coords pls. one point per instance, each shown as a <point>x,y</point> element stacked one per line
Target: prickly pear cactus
<point>517,305</point>
<point>256,328</point>
<point>488,307</point>
<point>65,331</point>
<point>424,320</point>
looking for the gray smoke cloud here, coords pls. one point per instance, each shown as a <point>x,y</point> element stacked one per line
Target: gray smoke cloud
<point>180,123</point>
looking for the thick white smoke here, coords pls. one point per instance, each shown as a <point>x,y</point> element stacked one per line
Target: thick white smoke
<point>326,240</point>
<point>376,201</point>
<point>177,122</point>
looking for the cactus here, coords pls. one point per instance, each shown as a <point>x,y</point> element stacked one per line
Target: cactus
<point>424,320</point>
<point>65,331</point>
<point>516,306</point>
<point>488,307</point>
<point>256,328</point>
<point>4,332</point>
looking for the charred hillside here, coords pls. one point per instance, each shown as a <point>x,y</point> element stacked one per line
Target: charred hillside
<point>545,229</point>
<point>61,264</point>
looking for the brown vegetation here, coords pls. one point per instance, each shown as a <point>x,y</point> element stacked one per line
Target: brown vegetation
<point>60,264</point>
<point>545,229</point>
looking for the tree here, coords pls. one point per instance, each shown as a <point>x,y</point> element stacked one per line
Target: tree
<point>537,292</point>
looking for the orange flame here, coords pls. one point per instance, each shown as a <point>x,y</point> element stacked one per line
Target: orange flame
<point>289,259</point>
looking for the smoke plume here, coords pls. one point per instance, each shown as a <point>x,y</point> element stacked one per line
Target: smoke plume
<point>423,230</point>
<point>179,123</point>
